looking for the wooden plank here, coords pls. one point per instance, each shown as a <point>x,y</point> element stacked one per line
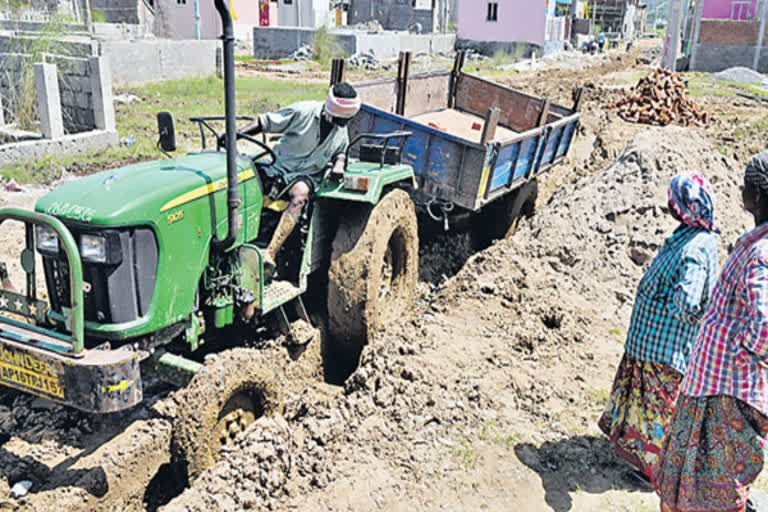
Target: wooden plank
<point>544,114</point>
<point>426,94</point>
<point>403,70</point>
<point>458,63</point>
<point>519,111</point>
<point>578,100</point>
<point>489,127</point>
<point>380,94</point>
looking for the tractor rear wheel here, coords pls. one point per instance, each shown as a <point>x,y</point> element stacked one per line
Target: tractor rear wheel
<point>500,219</point>
<point>220,402</point>
<point>373,272</point>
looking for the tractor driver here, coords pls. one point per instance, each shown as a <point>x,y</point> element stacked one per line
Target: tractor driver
<point>314,134</point>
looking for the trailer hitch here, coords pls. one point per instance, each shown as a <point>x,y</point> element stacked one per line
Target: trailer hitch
<point>445,208</point>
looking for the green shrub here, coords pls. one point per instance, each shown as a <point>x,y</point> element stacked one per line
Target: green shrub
<point>325,46</point>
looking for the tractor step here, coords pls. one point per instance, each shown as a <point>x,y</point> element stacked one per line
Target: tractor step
<point>278,293</point>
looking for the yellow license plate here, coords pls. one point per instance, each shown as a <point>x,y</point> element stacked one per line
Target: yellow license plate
<point>23,371</point>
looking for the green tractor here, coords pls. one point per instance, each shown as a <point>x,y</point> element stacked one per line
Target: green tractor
<point>145,262</point>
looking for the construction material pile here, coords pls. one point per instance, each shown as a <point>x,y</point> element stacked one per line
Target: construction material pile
<point>365,60</point>
<point>660,98</point>
<point>303,54</point>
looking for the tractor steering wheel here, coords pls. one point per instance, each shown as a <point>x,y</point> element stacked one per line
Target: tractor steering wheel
<point>267,150</point>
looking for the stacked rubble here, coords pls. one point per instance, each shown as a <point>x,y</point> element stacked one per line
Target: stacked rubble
<point>365,60</point>
<point>303,54</point>
<point>661,99</point>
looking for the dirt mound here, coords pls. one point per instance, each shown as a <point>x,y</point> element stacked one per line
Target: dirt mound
<point>592,242</point>
<point>660,98</point>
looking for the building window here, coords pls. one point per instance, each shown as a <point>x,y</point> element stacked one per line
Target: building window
<point>288,2</point>
<point>493,11</point>
<point>181,2</point>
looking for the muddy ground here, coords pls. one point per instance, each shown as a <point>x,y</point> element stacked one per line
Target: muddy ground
<point>484,397</point>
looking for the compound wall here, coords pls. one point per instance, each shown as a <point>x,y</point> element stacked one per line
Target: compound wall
<point>726,43</point>
<point>281,42</point>
<point>74,74</point>
<point>152,60</point>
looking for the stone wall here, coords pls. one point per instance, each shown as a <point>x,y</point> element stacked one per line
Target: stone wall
<point>75,89</point>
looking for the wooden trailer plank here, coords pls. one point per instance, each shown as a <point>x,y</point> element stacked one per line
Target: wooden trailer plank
<point>519,111</point>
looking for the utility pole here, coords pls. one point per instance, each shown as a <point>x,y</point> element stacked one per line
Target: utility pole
<point>197,20</point>
<point>761,34</point>
<point>696,30</point>
<point>672,39</point>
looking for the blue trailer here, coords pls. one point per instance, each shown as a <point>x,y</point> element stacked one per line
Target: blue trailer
<point>476,147</point>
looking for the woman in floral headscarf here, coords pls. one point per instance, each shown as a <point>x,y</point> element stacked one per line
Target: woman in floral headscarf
<point>670,301</point>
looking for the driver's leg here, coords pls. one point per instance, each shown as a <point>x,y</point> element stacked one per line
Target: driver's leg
<point>299,196</point>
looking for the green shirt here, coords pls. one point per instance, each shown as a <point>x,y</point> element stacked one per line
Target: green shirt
<point>299,151</point>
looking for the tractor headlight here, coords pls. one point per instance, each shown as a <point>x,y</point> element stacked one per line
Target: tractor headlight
<point>47,239</point>
<point>93,248</point>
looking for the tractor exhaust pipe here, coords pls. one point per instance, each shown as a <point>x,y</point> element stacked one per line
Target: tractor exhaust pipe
<point>233,198</point>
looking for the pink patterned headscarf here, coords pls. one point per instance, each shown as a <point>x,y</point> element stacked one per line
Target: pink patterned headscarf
<point>344,108</point>
<point>692,198</point>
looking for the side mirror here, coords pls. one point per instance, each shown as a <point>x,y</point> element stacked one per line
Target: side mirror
<point>167,132</point>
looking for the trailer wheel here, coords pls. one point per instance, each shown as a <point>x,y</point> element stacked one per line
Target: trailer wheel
<point>373,272</point>
<point>501,218</point>
<point>220,402</point>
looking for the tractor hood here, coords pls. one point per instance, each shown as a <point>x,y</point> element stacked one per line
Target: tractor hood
<point>139,193</point>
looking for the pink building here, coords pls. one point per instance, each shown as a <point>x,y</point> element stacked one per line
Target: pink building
<point>511,21</point>
<point>502,21</point>
<point>178,18</point>
<point>730,9</point>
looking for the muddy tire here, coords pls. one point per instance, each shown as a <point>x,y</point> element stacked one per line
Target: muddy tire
<point>373,272</point>
<point>501,218</point>
<point>226,396</point>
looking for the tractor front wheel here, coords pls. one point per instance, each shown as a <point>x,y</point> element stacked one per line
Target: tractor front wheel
<point>220,402</point>
<point>373,273</point>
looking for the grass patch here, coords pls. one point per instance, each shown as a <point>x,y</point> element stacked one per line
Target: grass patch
<point>600,396</point>
<point>98,16</point>
<point>699,85</point>
<point>184,98</point>
<point>325,47</point>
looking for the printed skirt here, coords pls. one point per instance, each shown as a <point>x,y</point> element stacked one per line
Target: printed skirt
<point>640,407</point>
<point>713,453</point>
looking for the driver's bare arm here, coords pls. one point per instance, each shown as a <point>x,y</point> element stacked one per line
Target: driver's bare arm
<point>252,128</point>
<point>338,165</point>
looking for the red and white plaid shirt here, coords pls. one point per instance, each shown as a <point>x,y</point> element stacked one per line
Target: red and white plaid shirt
<point>733,334</point>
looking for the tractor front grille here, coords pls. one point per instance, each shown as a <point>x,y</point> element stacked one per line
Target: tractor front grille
<point>113,293</point>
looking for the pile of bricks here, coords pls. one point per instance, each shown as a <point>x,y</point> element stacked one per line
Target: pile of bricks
<point>661,99</point>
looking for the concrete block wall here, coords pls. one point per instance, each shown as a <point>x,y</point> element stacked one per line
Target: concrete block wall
<point>75,83</point>
<point>280,42</point>
<point>152,60</point>
<point>74,46</point>
<point>76,93</point>
<point>489,48</point>
<point>726,43</point>
<point>392,14</point>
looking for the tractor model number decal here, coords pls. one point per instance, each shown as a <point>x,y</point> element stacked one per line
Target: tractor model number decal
<point>25,370</point>
<point>175,217</point>
<point>70,211</point>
